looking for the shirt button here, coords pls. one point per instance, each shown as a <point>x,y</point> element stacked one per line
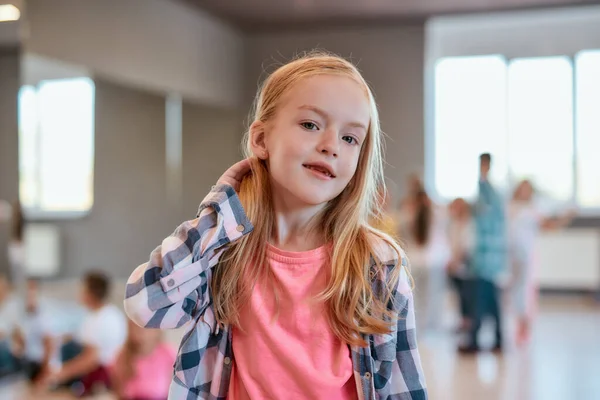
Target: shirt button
<point>240,228</point>
<point>367,375</point>
<point>227,361</point>
<point>170,282</point>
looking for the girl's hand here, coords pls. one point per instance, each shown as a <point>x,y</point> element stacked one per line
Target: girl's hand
<point>234,175</point>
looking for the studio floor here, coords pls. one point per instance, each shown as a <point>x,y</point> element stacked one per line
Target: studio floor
<point>562,361</point>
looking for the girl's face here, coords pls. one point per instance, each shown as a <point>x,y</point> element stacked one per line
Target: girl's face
<point>313,143</point>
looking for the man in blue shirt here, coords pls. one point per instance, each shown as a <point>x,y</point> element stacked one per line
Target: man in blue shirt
<point>489,259</point>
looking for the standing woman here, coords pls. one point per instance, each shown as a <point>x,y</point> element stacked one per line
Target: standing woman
<point>16,250</point>
<point>427,250</point>
<point>525,223</point>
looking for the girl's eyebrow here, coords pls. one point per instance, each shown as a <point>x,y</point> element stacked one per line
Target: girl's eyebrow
<point>322,113</point>
<point>314,109</point>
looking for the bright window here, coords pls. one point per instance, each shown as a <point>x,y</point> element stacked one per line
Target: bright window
<point>56,147</point>
<point>588,128</point>
<point>470,109</point>
<point>540,124</point>
<point>538,117</point>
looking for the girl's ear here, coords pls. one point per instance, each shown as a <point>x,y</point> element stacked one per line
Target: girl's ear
<point>258,140</point>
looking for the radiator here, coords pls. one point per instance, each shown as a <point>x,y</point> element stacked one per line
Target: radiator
<point>569,259</point>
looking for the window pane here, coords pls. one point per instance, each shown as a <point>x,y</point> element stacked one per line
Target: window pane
<point>67,140</point>
<point>588,128</point>
<point>28,147</point>
<point>56,128</point>
<point>470,118</point>
<point>540,118</point>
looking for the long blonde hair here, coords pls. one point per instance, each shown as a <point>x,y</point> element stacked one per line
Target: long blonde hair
<point>353,308</point>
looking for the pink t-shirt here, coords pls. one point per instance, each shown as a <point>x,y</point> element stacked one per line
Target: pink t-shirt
<point>294,354</point>
<point>153,374</point>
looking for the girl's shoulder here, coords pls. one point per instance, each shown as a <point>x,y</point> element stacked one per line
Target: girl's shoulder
<point>389,262</point>
<point>384,249</point>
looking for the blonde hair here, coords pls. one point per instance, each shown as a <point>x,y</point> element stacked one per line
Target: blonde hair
<point>352,306</point>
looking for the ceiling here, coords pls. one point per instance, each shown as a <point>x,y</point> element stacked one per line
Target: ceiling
<point>260,14</point>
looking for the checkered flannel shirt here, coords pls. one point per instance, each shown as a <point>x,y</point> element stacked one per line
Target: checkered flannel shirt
<point>173,290</point>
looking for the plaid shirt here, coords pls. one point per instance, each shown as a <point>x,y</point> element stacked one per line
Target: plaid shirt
<point>489,260</point>
<point>173,288</point>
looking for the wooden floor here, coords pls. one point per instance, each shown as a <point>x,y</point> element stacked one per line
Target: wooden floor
<point>562,362</point>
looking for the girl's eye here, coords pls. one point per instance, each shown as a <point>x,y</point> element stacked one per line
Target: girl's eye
<point>350,139</point>
<point>311,126</point>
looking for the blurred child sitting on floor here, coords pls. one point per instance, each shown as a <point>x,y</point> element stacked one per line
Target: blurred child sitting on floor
<point>98,342</point>
<point>34,342</point>
<point>144,367</point>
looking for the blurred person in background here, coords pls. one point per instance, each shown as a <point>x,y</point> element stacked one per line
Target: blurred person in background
<point>489,259</point>
<point>461,240</point>
<point>427,251</point>
<point>16,250</point>
<point>101,336</point>
<point>526,220</point>
<point>407,208</point>
<point>35,345</point>
<point>144,366</point>
<point>10,311</point>
<point>387,221</point>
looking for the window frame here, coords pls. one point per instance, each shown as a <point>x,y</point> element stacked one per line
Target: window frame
<point>430,135</point>
<point>37,213</point>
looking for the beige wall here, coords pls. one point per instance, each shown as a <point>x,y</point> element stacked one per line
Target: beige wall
<point>9,151</point>
<point>211,138</point>
<point>391,59</point>
<point>131,213</point>
<point>164,46</point>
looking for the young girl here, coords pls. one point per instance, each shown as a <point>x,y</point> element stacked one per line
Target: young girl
<point>290,292</point>
<point>144,366</point>
<point>525,222</point>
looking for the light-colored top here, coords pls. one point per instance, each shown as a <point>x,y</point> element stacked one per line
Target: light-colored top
<point>16,260</point>
<point>461,241</point>
<point>152,374</point>
<point>524,220</point>
<point>171,290</point>
<point>36,326</point>
<point>290,353</point>
<point>11,310</point>
<point>105,330</point>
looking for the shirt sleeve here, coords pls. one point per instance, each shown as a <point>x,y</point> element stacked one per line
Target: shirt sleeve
<point>172,287</point>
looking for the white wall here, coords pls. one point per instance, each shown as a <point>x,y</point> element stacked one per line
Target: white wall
<point>569,259</point>
<point>161,45</point>
<point>515,34</point>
